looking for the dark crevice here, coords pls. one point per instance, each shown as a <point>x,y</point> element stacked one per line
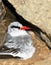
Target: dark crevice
<point>18,17</point>
<point>22,20</point>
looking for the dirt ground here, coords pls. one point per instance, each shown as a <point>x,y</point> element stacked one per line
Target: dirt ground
<point>42,55</point>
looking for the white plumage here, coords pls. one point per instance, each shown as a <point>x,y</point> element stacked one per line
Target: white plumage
<point>20,41</point>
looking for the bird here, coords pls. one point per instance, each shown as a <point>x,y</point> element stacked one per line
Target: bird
<point>18,42</point>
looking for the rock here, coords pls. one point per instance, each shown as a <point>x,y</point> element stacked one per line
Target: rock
<point>2,10</point>
<point>36,12</point>
<point>2,27</point>
<point>5,18</point>
<point>2,34</point>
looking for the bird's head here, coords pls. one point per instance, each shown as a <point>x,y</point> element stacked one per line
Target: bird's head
<point>16,29</point>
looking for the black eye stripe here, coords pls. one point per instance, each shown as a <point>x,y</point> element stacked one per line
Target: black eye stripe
<point>15,27</point>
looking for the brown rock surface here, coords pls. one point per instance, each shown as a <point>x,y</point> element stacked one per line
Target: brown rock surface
<point>2,11</point>
<point>5,19</point>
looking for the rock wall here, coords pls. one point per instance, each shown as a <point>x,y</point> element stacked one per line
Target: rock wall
<point>2,10</point>
<point>38,12</point>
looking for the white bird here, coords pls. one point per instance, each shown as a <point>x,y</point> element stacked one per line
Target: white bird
<point>18,42</point>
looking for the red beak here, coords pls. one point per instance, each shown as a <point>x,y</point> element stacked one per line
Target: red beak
<point>25,28</point>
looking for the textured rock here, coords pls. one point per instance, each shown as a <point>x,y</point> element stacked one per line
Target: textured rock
<point>2,10</point>
<point>2,27</point>
<point>5,18</point>
<point>38,12</point>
